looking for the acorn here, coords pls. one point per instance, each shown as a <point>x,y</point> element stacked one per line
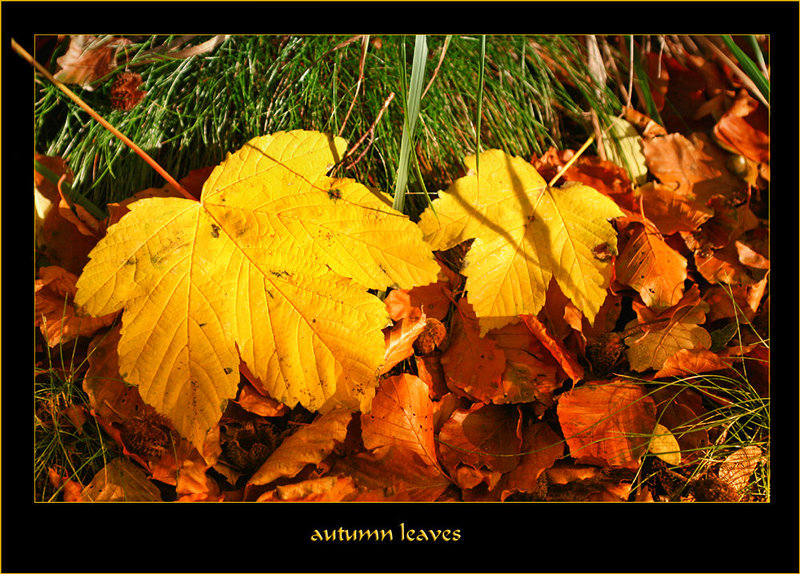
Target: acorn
<point>737,165</point>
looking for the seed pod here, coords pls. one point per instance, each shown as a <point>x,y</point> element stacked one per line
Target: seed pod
<point>604,352</point>
<point>737,165</point>
<point>432,337</point>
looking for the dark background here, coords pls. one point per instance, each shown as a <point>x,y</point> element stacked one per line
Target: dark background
<point>512,537</point>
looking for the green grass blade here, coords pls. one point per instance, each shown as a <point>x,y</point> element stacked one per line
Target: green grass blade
<point>480,107</point>
<point>750,68</point>
<point>411,115</point>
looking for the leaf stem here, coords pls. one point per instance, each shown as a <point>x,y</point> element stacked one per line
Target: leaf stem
<point>572,160</point>
<point>122,137</point>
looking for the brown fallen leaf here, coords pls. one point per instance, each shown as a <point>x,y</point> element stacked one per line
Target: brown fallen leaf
<point>651,267</point>
<point>541,448</point>
<point>607,423</point>
<point>744,128</point>
<point>308,445</point>
<point>88,59</point>
<point>121,481</point>
<point>323,489</point>
<point>659,340</point>
<point>473,366</point>
<point>565,358</point>
<point>399,340</point>
<point>401,416</point>
<point>55,311</point>
<point>694,167</point>
<point>531,375</point>
<point>57,238</point>
<point>672,212</point>
<point>251,400</point>
<point>602,175</point>
<point>480,444</point>
<point>689,362</point>
<point>737,467</point>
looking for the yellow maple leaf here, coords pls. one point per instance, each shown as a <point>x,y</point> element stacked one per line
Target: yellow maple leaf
<point>272,266</point>
<point>526,233</point>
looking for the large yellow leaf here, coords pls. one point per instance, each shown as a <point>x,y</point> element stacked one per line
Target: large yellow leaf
<point>271,266</point>
<point>525,234</point>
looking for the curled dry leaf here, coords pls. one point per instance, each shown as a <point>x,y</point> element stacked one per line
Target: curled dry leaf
<point>399,340</point>
<point>566,359</point>
<point>88,59</point>
<point>59,238</point>
<point>251,400</point>
<point>607,423</point>
<point>606,177</point>
<point>744,128</point>
<point>308,445</point>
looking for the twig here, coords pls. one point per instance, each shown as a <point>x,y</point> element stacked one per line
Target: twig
<point>572,160</point>
<point>370,132</point>
<point>439,65</point>
<point>364,46</point>
<point>122,137</point>
<point>751,86</point>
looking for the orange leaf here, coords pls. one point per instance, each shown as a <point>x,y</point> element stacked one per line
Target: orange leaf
<point>607,423</point>
<point>481,443</point>
<point>672,212</point>
<point>542,447</point>
<point>400,339</point>
<point>688,362</point>
<point>567,359</point>
<point>308,445</point>
<point>651,267</point>
<point>473,366</point>
<point>402,415</point>
<point>62,242</point>
<point>602,175</point>
<point>251,400</point>
<point>744,128</point>
<point>692,168</point>
<point>531,374</point>
<point>325,489</point>
<point>55,311</point>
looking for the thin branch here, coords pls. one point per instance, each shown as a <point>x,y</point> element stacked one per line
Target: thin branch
<point>122,137</point>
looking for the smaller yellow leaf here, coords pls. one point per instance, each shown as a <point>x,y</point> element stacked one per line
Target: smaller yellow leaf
<point>665,446</point>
